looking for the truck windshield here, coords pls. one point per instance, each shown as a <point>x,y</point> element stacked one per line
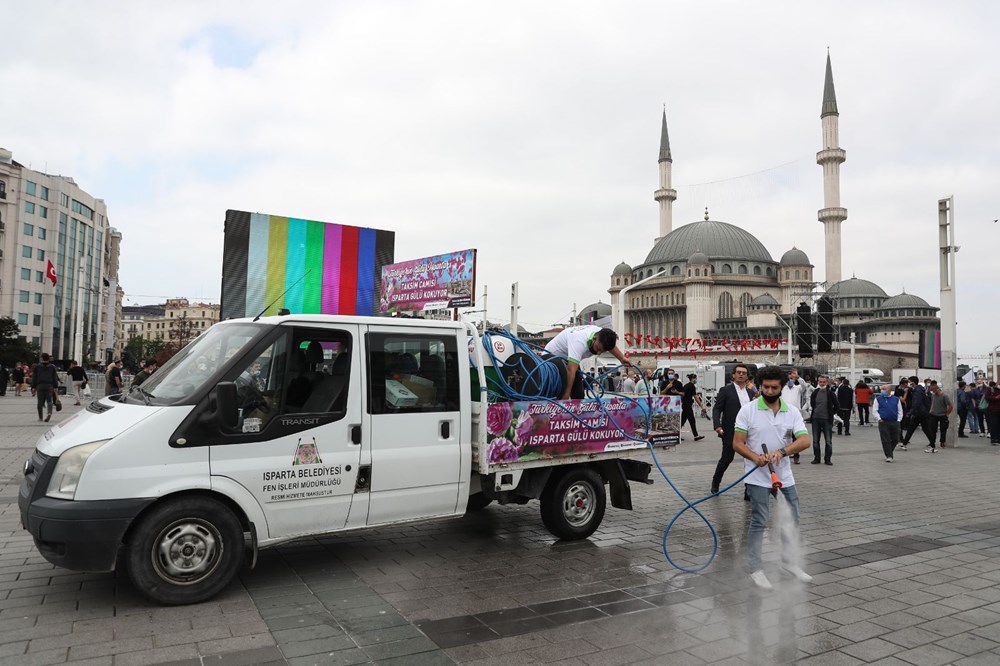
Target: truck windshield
<point>199,362</point>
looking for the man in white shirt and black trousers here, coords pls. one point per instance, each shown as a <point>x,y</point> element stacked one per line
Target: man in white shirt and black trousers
<point>769,421</point>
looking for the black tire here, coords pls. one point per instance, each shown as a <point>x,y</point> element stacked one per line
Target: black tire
<point>185,551</point>
<point>477,502</point>
<point>573,504</point>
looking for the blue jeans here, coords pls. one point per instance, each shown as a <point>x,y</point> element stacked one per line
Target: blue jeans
<point>822,427</point>
<point>759,514</point>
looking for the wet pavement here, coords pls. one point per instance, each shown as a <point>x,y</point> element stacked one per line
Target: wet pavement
<point>905,559</point>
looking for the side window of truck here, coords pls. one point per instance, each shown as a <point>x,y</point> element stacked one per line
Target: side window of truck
<point>410,373</point>
<point>304,371</point>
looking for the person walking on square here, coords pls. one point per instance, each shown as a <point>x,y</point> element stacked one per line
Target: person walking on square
<point>794,393</point>
<point>963,400</point>
<point>888,415</point>
<point>992,395</point>
<point>44,382</point>
<point>17,374</point>
<point>917,406</point>
<point>78,376</point>
<point>824,406</point>
<point>862,398</point>
<point>688,397</point>
<point>940,409</point>
<point>728,403</point>
<point>845,398</point>
<point>769,421</point>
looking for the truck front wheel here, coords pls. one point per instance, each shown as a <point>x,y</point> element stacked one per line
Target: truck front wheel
<point>573,503</point>
<point>185,551</point>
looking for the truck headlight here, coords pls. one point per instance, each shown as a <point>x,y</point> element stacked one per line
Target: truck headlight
<point>67,473</point>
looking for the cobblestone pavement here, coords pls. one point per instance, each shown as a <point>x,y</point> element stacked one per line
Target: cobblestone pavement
<point>906,560</point>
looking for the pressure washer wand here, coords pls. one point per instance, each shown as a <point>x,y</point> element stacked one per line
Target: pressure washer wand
<point>775,483</point>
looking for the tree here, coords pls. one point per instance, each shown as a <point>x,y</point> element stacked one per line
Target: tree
<point>182,331</point>
<point>13,347</point>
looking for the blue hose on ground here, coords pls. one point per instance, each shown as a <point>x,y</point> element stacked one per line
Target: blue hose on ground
<point>546,379</point>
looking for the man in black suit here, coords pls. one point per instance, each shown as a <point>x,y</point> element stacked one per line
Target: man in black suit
<point>728,402</point>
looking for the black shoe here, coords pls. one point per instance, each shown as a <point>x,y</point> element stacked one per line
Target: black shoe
<point>847,434</point>
<point>828,462</point>
<point>815,461</point>
<point>699,438</point>
<point>47,417</point>
<point>715,490</point>
<point>963,436</point>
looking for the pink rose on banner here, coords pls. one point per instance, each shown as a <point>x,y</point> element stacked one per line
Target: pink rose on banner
<point>522,431</point>
<point>383,306</point>
<point>502,450</point>
<point>498,418</point>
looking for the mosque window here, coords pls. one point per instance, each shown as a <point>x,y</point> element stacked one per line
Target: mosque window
<point>770,272</point>
<point>787,274</point>
<point>756,270</point>
<point>725,305</point>
<point>697,271</point>
<point>797,274</point>
<point>689,272</point>
<point>618,282</point>
<point>745,304</point>
<point>743,269</point>
<point>726,268</point>
<point>676,270</point>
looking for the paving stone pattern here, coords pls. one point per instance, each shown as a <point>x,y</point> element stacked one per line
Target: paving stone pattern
<point>906,560</point>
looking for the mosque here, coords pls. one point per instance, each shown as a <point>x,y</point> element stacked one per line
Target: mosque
<point>714,280</point>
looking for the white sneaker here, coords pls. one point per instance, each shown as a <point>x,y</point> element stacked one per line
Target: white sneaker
<point>760,580</point>
<point>799,574</point>
<point>930,450</point>
<point>888,459</point>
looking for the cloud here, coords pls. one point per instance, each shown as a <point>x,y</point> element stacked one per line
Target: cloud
<point>529,131</point>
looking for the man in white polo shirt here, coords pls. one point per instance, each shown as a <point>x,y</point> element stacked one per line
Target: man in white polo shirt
<point>769,421</point>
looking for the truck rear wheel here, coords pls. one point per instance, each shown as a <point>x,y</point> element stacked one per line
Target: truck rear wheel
<point>185,551</point>
<point>573,504</point>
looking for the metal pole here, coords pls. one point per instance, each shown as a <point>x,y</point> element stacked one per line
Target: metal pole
<point>789,339</point>
<point>949,333</point>
<point>78,333</point>
<point>853,364</point>
<point>485,320</point>
<point>513,309</point>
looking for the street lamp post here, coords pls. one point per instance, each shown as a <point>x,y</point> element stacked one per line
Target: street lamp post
<point>620,324</point>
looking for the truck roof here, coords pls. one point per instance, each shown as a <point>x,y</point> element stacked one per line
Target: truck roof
<point>350,319</point>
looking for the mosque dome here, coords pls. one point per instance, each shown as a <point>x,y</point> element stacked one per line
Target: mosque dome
<point>904,300</point>
<point>794,257</point>
<point>622,269</point>
<point>594,311</point>
<point>765,300</point>
<point>717,240</point>
<point>855,287</point>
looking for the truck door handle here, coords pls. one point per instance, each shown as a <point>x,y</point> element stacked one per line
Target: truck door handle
<point>356,434</point>
<point>445,429</point>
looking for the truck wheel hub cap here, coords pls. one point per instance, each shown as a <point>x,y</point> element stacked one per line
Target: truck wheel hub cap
<point>578,504</point>
<point>187,551</point>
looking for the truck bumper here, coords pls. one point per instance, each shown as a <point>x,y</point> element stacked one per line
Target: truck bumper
<point>82,536</point>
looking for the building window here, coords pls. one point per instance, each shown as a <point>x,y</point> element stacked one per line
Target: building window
<point>43,193</point>
<point>29,229</point>
<point>29,207</point>
<point>38,298</point>
<point>26,251</point>
<point>39,276</point>
<point>727,269</point>
<point>618,282</point>
<point>797,274</point>
<point>36,320</point>
<point>43,211</point>
<point>725,305</point>
<point>29,187</point>
<point>24,296</point>
<point>22,318</point>
<point>756,270</point>
<point>42,234</point>
<point>64,200</point>
<point>25,273</point>
<point>41,255</point>
<point>787,274</point>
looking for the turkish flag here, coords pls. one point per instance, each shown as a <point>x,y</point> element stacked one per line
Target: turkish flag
<point>50,272</point>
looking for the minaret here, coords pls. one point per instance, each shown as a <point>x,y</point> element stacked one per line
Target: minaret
<point>666,194</point>
<point>830,158</point>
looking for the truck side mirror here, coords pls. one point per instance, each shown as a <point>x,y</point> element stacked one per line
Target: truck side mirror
<point>226,410</point>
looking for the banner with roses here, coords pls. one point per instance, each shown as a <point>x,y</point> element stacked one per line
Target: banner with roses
<point>532,430</point>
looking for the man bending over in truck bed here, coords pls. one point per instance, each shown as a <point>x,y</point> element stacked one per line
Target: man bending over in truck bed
<point>577,343</point>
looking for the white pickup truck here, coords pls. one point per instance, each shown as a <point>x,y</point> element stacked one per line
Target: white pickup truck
<point>261,431</point>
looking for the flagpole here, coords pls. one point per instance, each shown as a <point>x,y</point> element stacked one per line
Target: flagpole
<point>78,337</point>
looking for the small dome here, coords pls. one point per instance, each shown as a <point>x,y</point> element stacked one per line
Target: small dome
<point>698,258</point>
<point>795,257</point>
<point>904,300</point>
<point>622,269</point>
<point>594,311</point>
<point>765,300</point>
<point>855,287</point>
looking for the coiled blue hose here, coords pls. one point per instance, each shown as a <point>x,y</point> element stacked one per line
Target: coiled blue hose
<point>546,379</point>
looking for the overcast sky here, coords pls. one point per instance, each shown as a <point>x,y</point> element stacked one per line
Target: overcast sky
<point>527,130</point>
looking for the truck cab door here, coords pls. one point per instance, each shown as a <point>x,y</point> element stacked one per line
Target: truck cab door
<point>419,440</point>
<point>296,447</point>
